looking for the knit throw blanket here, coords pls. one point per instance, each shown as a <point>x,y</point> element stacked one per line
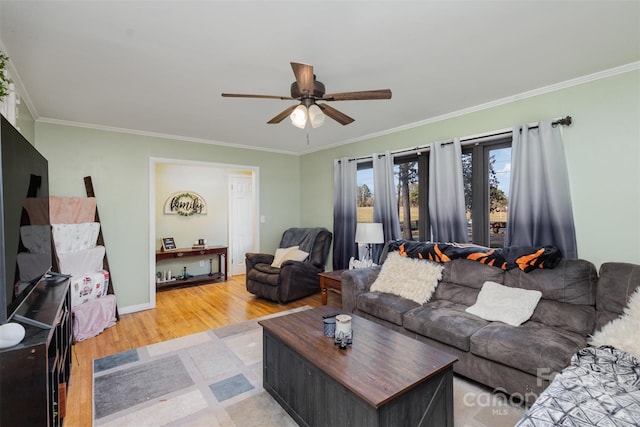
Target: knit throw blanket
<point>304,238</point>
<point>524,258</point>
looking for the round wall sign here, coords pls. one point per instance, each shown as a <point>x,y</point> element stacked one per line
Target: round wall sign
<point>185,203</point>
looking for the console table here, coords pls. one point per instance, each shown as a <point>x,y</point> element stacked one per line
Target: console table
<point>220,251</point>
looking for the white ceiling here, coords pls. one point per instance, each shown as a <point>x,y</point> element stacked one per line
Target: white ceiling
<point>159,67</point>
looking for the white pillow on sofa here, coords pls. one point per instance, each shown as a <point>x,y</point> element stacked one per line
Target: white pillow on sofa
<point>288,254</point>
<point>512,306</point>
<point>411,278</point>
<point>622,333</point>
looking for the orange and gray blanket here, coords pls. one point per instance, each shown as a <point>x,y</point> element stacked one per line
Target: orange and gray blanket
<point>524,258</point>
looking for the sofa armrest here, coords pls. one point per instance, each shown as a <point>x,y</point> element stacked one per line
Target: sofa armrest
<point>251,259</point>
<point>298,279</point>
<point>356,282</point>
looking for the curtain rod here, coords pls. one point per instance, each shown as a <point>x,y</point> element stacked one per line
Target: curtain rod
<point>563,121</point>
<point>468,140</point>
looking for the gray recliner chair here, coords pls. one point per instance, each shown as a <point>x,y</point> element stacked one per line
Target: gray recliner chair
<point>293,279</point>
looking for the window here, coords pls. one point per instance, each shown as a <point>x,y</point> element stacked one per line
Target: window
<point>365,194</point>
<point>486,173</point>
<point>411,178</point>
<point>486,169</point>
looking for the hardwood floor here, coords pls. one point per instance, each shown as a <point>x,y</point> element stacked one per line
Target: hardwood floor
<point>178,312</point>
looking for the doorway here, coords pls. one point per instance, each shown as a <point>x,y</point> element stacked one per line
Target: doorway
<point>242,213</point>
<point>231,218</point>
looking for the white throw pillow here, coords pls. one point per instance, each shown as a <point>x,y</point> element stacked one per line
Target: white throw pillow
<point>623,333</point>
<point>288,254</point>
<point>411,278</point>
<point>497,302</point>
<point>279,255</point>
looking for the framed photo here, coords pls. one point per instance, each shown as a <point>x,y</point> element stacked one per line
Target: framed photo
<point>168,243</point>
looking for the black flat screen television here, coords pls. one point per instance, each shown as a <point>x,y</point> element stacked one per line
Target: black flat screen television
<point>25,231</point>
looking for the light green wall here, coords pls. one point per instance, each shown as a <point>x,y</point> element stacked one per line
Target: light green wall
<point>119,166</point>
<point>602,148</point>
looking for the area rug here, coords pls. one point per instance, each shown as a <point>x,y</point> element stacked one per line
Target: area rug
<point>214,378</point>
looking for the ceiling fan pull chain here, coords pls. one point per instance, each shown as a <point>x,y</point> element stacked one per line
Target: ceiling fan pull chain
<point>307,137</point>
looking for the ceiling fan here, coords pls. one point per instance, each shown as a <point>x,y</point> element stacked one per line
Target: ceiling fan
<point>309,91</point>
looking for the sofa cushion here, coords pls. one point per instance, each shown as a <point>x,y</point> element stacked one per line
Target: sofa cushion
<point>444,321</point>
<point>512,306</point>
<point>414,279</point>
<point>455,293</point>
<point>618,280</point>
<point>385,306</point>
<point>572,317</point>
<point>572,281</point>
<point>534,348</point>
<point>471,273</point>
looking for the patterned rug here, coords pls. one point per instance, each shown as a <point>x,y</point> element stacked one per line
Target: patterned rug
<point>214,378</point>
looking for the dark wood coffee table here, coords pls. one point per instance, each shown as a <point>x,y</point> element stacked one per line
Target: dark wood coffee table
<point>383,379</point>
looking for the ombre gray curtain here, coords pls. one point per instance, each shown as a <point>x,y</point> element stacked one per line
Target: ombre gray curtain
<point>385,206</point>
<point>446,193</point>
<point>344,212</point>
<point>540,211</point>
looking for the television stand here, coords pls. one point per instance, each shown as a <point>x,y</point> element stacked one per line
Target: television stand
<point>33,322</point>
<point>34,373</point>
<point>37,310</point>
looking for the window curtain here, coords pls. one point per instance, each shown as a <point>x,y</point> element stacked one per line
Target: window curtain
<point>540,211</point>
<point>385,206</point>
<point>446,193</point>
<point>344,212</point>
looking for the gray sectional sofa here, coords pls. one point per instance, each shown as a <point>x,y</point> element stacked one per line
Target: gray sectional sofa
<point>521,360</point>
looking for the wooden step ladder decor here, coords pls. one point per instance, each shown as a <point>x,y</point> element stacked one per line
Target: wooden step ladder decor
<point>88,185</point>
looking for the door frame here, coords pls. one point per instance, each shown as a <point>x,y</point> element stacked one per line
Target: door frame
<point>254,233</point>
<point>231,168</point>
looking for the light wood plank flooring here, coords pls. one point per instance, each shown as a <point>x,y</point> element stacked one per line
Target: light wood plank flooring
<point>178,312</point>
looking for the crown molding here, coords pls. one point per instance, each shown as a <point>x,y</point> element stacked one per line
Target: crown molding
<point>634,66</point>
<point>159,135</point>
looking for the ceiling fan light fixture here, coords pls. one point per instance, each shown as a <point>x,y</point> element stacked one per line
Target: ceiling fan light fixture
<point>308,90</point>
<point>316,116</point>
<point>299,116</point>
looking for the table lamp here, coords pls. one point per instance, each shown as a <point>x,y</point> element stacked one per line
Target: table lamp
<point>369,233</point>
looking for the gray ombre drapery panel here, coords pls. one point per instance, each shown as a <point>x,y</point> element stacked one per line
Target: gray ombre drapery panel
<point>345,215</point>
<point>540,211</point>
<point>385,206</point>
<point>446,193</point>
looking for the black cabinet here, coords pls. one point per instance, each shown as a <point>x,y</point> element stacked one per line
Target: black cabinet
<point>34,374</point>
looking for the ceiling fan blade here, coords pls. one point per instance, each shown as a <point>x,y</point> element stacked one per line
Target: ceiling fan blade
<point>362,95</point>
<point>336,115</point>
<point>246,95</point>
<point>280,117</point>
<point>304,76</point>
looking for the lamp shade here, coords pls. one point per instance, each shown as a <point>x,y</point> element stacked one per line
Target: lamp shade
<point>316,116</point>
<point>369,232</point>
<point>299,116</point>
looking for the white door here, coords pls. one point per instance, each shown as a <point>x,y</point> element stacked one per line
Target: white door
<point>242,221</point>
